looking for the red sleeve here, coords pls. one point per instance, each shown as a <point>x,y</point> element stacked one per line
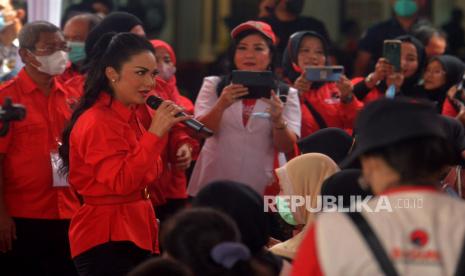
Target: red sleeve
<point>348,112</point>
<point>306,260</point>
<point>179,135</point>
<point>117,164</point>
<point>448,109</point>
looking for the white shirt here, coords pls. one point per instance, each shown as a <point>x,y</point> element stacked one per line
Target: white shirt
<point>236,152</point>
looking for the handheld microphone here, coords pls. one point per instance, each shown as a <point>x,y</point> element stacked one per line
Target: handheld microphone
<point>154,102</point>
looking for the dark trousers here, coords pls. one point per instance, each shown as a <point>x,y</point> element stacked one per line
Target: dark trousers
<point>41,248</point>
<point>115,258</point>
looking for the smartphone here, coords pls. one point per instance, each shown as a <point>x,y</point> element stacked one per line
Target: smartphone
<point>259,84</point>
<point>324,73</point>
<point>391,52</point>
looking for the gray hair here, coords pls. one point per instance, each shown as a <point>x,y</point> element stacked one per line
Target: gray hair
<point>30,33</point>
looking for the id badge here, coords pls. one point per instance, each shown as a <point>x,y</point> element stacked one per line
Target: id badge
<point>59,180</point>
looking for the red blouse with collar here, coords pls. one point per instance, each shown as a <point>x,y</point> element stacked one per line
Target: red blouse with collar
<point>113,157</point>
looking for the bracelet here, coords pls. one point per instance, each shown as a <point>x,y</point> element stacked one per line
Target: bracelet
<point>282,126</point>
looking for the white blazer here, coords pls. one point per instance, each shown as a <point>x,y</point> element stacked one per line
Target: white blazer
<point>237,152</point>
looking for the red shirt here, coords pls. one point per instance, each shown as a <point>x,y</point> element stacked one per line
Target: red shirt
<point>173,182</point>
<point>69,73</point>
<point>326,102</point>
<point>111,156</point>
<point>27,171</point>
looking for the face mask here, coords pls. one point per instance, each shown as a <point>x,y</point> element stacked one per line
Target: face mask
<point>54,64</point>
<point>167,71</point>
<point>285,211</point>
<point>405,8</point>
<point>77,52</point>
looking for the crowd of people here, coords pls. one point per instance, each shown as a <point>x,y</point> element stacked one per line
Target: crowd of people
<point>96,179</point>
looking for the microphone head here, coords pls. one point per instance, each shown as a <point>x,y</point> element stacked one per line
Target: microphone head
<point>154,101</point>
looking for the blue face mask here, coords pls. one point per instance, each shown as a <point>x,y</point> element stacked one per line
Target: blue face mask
<point>405,8</point>
<point>285,211</point>
<point>77,52</point>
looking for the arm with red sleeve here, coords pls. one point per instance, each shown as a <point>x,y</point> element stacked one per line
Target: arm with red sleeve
<point>121,167</point>
<point>306,260</point>
<point>180,135</point>
<point>348,112</point>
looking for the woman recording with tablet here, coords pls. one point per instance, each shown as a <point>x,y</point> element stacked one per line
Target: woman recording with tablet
<point>248,132</point>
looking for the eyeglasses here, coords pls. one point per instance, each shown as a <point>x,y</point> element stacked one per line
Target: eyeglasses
<point>435,72</point>
<point>50,50</point>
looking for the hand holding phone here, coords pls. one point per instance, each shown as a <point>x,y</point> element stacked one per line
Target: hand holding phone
<point>324,73</point>
<point>391,52</point>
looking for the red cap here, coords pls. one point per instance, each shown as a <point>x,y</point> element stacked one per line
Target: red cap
<point>260,26</point>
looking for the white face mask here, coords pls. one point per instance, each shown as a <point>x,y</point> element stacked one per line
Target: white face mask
<point>54,64</point>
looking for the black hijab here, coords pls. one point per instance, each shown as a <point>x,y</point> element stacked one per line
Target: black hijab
<point>292,51</point>
<point>454,69</point>
<point>410,87</point>
<point>344,183</point>
<point>244,205</point>
<point>333,142</point>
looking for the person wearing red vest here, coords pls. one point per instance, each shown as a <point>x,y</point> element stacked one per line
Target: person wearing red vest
<point>112,158</point>
<point>35,204</point>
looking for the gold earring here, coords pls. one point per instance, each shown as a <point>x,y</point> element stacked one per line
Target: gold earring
<point>113,80</point>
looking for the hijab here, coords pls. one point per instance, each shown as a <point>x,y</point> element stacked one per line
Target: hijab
<point>333,142</point>
<point>303,176</point>
<point>244,205</point>
<point>290,65</point>
<point>410,86</point>
<point>344,184</point>
<point>454,69</point>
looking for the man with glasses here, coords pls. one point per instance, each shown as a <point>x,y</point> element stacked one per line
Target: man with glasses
<point>35,202</point>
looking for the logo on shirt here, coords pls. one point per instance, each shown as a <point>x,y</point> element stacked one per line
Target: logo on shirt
<point>419,238</point>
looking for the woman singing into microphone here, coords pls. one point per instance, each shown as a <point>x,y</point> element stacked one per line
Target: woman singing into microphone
<point>111,158</point>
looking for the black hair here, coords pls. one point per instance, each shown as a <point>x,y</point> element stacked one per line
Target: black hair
<point>225,80</point>
<point>161,266</point>
<point>418,161</point>
<point>112,50</point>
<point>294,7</point>
<point>190,235</point>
